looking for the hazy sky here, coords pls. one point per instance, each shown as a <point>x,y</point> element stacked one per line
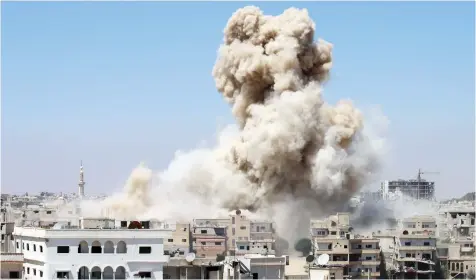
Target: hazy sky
<point>114,84</point>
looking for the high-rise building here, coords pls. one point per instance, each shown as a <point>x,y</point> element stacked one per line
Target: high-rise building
<point>415,189</point>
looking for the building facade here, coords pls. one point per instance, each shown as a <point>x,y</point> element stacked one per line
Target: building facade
<point>359,255</point>
<point>91,252</point>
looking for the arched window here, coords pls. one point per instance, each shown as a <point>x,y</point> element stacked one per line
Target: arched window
<point>96,273</point>
<point>96,248</point>
<point>108,272</point>
<point>108,247</point>
<point>83,273</point>
<point>83,247</point>
<point>120,273</point>
<point>121,247</point>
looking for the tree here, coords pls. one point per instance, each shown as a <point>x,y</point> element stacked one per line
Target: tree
<point>135,225</point>
<point>304,246</point>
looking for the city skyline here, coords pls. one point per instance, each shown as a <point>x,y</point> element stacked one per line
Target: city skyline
<point>112,87</point>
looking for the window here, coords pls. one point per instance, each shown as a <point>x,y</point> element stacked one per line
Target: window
<point>23,246</point>
<point>28,247</point>
<point>181,253</point>
<point>242,227</point>
<point>18,245</point>
<point>368,258</point>
<point>145,275</point>
<point>184,240</point>
<point>36,211</point>
<point>145,250</point>
<point>265,246</point>
<point>345,246</point>
<point>41,249</point>
<point>123,223</point>
<point>203,231</point>
<point>241,247</point>
<point>233,242</point>
<point>233,231</point>
<point>48,212</point>
<point>170,240</point>
<point>333,232</point>
<point>62,274</point>
<point>41,273</point>
<point>62,249</point>
<point>217,243</point>
<point>203,243</point>
<point>184,229</point>
<point>34,271</point>
<point>14,275</point>
<point>408,255</point>
<point>27,270</point>
<point>426,243</point>
<point>368,246</point>
<point>408,243</point>
<point>34,247</point>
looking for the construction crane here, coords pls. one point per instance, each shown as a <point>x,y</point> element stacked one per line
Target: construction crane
<point>420,179</point>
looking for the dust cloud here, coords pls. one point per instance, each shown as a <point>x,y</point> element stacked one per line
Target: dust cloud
<point>290,156</point>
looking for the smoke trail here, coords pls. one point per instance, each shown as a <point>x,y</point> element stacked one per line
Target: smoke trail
<point>291,156</point>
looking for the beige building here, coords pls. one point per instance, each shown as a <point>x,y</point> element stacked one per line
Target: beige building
<point>11,265</point>
<point>180,244</point>
<point>359,255</point>
<point>209,237</point>
<point>416,247</point>
<point>235,236</point>
<point>325,273</point>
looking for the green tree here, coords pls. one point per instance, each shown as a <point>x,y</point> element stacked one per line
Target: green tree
<point>304,246</point>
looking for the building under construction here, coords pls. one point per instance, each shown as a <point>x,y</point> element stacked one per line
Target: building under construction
<point>419,188</point>
<point>416,189</point>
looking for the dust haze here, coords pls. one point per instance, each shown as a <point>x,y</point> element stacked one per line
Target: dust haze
<point>291,156</point>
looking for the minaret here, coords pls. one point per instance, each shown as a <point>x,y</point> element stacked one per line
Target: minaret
<point>81,181</point>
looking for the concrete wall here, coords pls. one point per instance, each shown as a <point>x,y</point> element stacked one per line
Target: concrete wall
<point>7,267</point>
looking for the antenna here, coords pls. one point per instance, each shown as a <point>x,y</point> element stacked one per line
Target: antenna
<point>310,258</point>
<point>323,259</point>
<point>190,257</point>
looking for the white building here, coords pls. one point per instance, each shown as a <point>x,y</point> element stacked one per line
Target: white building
<point>98,248</point>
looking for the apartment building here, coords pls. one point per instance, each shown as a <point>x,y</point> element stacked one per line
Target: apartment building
<point>417,247</point>
<point>209,237</point>
<point>180,243</point>
<point>235,235</point>
<point>97,248</point>
<point>456,249</point>
<point>11,265</point>
<point>360,255</point>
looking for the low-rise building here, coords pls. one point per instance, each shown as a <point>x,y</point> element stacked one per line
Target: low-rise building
<point>11,265</point>
<point>417,247</point>
<point>180,243</point>
<point>358,255</point>
<point>96,248</point>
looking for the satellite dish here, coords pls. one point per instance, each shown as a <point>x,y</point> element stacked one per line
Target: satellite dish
<point>310,258</point>
<point>323,259</point>
<point>190,257</point>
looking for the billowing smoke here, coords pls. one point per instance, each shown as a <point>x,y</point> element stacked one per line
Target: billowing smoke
<point>291,155</point>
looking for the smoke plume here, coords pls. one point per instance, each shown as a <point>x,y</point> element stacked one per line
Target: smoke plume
<point>290,156</point>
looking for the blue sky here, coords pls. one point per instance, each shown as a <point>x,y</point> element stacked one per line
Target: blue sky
<point>118,83</point>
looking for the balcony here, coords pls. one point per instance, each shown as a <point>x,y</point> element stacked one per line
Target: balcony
<point>417,248</point>
<point>467,249</point>
<point>365,262</point>
<point>338,262</point>
<point>370,251</point>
